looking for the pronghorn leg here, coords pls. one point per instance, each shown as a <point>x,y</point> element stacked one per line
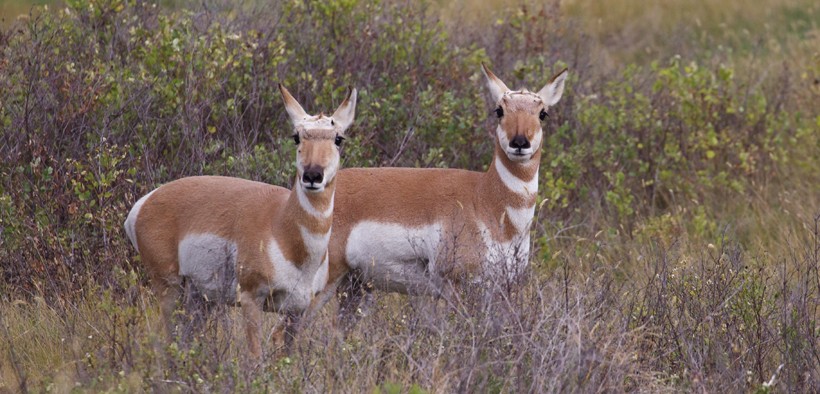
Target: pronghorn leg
<point>284,334</point>
<point>197,312</point>
<point>278,337</point>
<point>318,303</point>
<point>252,313</point>
<point>355,298</point>
<point>168,292</point>
<point>292,321</point>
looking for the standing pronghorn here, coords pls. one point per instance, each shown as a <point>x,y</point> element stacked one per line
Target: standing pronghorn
<point>401,229</point>
<point>239,241</point>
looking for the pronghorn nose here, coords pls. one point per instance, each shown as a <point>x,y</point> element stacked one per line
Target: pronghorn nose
<point>312,175</point>
<point>519,142</point>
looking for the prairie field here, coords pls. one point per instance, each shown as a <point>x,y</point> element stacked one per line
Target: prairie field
<point>676,246</point>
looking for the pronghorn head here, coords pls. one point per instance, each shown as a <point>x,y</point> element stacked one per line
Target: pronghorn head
<point>318,138</point>
<point>520,113</point>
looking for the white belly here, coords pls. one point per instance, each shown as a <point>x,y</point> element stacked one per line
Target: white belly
<point>400,258</point>
<point>394,257</point>
<point>209,262</point>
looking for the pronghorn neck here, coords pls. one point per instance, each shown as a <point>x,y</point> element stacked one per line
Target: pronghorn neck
<point>517,179</point>
<point>318,206</point>
<point>507,193</point>
<point>311,216</point>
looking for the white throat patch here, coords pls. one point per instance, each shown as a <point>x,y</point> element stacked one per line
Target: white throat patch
<point>304,202</point>
<point>521,218</point>
<point>514,183</point>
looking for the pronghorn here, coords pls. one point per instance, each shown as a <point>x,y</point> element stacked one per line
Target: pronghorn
<point>243,242</point>
<point>403,229</point>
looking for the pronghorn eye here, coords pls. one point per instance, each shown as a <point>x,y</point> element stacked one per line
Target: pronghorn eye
<point>296,138</point>
<point>499,111</point>
<point>543,115</point>
<point>339,140</point>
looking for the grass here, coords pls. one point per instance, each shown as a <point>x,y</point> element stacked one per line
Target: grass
<point>705,314</point>
<point>10,10</point>
<point>676,247</point>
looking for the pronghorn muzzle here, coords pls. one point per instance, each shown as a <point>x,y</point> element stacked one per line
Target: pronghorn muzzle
<point>519,143</point>
<point>313,176</point>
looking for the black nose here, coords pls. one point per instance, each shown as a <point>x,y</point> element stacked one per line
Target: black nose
<point>520,142</point>
<point>312,176</point>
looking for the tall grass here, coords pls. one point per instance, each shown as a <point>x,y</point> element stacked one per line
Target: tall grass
<point>676,245</point>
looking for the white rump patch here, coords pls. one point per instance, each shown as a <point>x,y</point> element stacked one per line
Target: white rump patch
<point>209,261</point>
<point>131,221</point>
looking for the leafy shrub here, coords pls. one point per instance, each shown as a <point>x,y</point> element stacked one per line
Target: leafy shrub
<point>104,100</point>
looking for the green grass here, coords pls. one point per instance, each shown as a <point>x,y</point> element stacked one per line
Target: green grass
<point>676,246</point>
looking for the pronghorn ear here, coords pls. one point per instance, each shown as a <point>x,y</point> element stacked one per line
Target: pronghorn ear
<point>497,87</point>
<point>295,111</point>
<point>347,110</point>
<point>552,92</point>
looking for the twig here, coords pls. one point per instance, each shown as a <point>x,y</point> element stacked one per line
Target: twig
<point>402,145</point>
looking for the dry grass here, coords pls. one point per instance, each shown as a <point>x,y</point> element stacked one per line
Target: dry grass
<point>684,318</point>
<point>714,290</point>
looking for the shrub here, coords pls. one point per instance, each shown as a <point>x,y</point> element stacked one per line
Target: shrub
<point>104,100</point>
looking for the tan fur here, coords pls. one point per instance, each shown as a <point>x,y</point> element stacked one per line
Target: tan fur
<point>414,197</point>
<point>461,200</point>
<point>250,214</point>
<point>246,212</point>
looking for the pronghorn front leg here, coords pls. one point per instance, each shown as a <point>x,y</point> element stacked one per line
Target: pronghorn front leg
<point>286,331</point>
<point>293,323</point>
<point>283,332</point>
<point>252,313</point>
<point>355,298</point>
<point>319,302</point>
